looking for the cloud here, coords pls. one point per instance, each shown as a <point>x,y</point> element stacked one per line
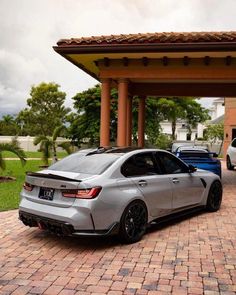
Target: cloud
<point>16,74</point>
<point>29,29</point>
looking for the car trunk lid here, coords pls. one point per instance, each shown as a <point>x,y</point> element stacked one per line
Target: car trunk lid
<point>47,187</point>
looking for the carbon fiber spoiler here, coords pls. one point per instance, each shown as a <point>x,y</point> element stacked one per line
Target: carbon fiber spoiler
<point>51,176</point>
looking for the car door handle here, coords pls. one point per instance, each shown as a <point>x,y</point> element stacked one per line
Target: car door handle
<point>142,183</point>
<point>175,180</point>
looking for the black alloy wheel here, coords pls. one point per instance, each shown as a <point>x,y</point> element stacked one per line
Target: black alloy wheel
<point>133,222</point>
<point>228,164</point>
<point>214,197</point>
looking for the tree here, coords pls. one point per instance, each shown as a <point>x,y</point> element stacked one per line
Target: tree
<point>14,148</point>
<point>153,117</point>
<point>186,108</point>
<point>85,125</point>
<point>49,145</point>
<point>215,132</point>
<point>163,141</point>
<point>9,126</point>
<point>173,110</point>
<point>194,114</point>
<point>45,110</point>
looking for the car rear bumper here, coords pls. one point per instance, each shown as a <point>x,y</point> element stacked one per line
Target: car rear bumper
<point>63,228</point>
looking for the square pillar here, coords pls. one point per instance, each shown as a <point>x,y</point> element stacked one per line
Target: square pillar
<point>105,113</point>
<point>122,112</point>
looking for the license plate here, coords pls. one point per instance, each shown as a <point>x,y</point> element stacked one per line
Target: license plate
<point>46,193</point>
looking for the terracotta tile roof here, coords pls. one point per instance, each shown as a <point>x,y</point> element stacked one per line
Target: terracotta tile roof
<point>154,38</point>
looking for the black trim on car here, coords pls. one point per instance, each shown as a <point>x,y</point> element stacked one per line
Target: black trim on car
<point>63,228</point>
<point>51,176</point>
<point>203,182</point>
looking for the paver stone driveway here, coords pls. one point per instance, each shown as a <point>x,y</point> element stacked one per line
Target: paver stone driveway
<point>191,255</point>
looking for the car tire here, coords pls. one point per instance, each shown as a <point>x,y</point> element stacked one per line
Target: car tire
<point>133,222</point>
<point>228,164</point>
<point>214,196</point>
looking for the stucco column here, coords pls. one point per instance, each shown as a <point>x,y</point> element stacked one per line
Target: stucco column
<point>129,121</point>
<point>122,112</point>
<point>141,121</point>
<point>105,113</point>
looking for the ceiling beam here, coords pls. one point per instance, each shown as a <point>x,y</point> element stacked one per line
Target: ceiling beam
<point>184,89</point>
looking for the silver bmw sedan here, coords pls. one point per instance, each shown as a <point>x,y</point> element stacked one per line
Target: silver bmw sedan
<point>115,191</point>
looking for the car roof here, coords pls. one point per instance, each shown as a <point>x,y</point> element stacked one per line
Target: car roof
<point>115,150</point>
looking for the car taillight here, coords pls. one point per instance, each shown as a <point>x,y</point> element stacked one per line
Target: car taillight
<point>28,187</point>
<point>88,193</point>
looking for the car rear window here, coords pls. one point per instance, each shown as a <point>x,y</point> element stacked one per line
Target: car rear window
<point>90,164</point>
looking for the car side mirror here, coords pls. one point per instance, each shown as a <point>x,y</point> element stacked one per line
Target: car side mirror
<point>191,169</point>
<point>214,155</point>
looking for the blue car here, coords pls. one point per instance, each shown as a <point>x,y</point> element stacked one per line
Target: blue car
<point>200,158</point>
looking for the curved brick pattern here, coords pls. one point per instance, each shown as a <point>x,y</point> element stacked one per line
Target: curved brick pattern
<point>194,255</point>
<point>153,38</point>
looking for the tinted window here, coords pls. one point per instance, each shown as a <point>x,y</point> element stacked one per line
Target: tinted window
<point>234,143</point>
<point>140,165</point>
<point>171,164</point>
<point>92,164</point>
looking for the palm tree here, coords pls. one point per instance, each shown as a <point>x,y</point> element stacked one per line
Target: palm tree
<point>8,119</point>
<point>48,145</point>
<point>14,148</point>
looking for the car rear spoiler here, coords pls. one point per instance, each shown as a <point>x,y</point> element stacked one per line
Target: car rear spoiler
<point>51,176</point>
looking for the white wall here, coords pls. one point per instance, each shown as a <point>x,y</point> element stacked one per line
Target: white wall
<point>26,142</point>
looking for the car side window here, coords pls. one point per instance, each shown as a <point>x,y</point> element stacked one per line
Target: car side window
<point>140,165</point>
<point>170,163</point>
<point>233,144</point>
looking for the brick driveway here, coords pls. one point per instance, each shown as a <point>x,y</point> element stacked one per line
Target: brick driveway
<point>194,255</point>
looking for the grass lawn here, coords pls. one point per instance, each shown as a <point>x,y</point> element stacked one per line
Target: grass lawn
<point>61,154</point>
<point>9,191</point>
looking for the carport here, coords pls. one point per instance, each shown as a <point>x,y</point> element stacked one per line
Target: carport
<point>201,64</point>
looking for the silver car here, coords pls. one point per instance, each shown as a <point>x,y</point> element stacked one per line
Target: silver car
<point>115,191</point>
<point>231,155</point>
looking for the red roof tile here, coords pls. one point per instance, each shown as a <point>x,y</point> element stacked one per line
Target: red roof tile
<point>154,38</point>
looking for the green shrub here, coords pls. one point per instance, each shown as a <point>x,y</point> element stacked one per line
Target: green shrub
<point>163,141</point>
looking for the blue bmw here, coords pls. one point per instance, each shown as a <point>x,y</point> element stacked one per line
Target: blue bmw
<point>200,158</point>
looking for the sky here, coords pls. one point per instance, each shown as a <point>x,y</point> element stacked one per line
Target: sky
<point>29,29</point>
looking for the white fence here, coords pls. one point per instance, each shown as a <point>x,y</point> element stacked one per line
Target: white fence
<point>26,142</point>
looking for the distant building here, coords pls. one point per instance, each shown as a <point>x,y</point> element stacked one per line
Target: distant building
<point>216,113</point>
<point>218,108</point>
<point>182,132</point>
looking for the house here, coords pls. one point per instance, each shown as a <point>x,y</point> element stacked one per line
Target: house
<point>218,108</point>
<point>216,113</point>
<point>182,132</point>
